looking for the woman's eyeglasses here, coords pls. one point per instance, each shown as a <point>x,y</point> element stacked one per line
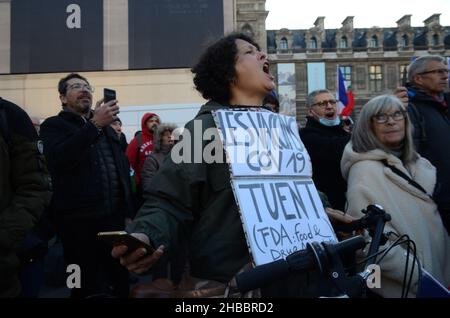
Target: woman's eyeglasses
<point>384,118</point>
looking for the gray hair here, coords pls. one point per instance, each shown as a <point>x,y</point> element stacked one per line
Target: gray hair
<point>363,137</point>
<point>420,65</point>
<point>310,99</point>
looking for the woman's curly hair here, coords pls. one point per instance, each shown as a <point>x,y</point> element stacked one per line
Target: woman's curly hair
<point>215,71</point>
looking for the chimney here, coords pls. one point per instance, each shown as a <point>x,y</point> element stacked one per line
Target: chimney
<point>433,20</point>
<point>348,23</point>
<point>320,23</point>
<point>404,21</point>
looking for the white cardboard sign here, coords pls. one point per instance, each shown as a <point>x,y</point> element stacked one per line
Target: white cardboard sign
<point>280,208</point>
<point>262,143</point>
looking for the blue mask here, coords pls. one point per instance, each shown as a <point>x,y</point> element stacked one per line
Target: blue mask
<point>330,122</point>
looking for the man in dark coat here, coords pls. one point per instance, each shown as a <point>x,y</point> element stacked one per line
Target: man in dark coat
<point>91,185</point>
<point>24,190</point>
<point>429,112</point>
<point>325,138</point>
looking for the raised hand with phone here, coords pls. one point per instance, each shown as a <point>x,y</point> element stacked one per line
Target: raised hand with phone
<point>106,109</point>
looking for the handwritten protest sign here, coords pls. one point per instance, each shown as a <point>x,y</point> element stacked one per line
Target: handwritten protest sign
<point>281,216</point>
<point>271,172</point>
<point>263,143</point>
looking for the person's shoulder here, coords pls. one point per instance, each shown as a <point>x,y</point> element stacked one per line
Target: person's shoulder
<point>18,120</point>
<point>309,130</point>
<point>9,106</point>
<point>151,160</point>
<point>14,112</point>
<point>370,161</point>
<point>205,112</point>
<point>51,121</point>
<point>424,163</point>
<point>368,164</point>
<point>203,120</point>
<point>368,170</point>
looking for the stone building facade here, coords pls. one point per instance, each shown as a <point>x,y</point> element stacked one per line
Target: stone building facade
<point>372,60</point>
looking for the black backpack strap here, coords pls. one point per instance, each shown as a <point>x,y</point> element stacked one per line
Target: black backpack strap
<point>404,176</point>
<point>139,144</point>
<point>419,120</point>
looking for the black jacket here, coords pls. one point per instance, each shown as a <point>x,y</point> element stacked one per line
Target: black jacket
<point>72,148</point>
<point>325,146</point>
<point>24,190</point>
<point>431,122</point>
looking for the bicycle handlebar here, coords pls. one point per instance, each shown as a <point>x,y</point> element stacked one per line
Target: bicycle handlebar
<point>315,256</point>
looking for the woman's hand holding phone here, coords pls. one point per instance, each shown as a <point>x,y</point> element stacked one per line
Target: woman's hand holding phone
<point>137,261</point>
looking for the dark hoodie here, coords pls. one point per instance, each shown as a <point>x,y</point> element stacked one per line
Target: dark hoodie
<point>137,152</point>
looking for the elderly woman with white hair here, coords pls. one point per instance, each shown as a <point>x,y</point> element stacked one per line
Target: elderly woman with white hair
<point>382,167</point>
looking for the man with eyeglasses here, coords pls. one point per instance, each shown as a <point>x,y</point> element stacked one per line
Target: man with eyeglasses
<point>91,181</point>
<point>325,138</point>
<point>428,108</point>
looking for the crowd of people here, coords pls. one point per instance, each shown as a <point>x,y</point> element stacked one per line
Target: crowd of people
<point>77,175</point>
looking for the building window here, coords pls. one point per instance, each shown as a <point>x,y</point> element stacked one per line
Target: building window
<point>403,76</point>
<point>313,43</point>
<point>375,78</point>
<point>405,41</point>
<point>343,44</point>
<point>373,42</point>
<point>435,40</point>
<point>347,73</point>
<point>283,44</point>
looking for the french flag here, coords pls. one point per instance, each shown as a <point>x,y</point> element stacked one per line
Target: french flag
<point>344,95</point>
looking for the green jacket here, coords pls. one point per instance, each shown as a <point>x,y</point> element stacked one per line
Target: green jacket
<point>194,203</point>
<point>24,190</point>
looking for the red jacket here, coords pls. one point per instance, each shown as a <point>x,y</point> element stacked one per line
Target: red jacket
<point>136,155</point>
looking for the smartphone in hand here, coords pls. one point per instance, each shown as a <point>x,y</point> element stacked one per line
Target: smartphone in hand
<point>123,238</point>
<point>108,95</point>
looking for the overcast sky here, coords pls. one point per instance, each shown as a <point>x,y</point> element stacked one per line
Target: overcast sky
<point>301,14</point>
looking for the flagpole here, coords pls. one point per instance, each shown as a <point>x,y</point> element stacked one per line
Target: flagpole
<point>339,108</point>
<point>337,82</point>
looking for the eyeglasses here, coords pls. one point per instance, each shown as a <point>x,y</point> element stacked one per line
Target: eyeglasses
<point>384,118</point>
<point>324,103</point>
<point>81,86</point>
<point>441,71</point>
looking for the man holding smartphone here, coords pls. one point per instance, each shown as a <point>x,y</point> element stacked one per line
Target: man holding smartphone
<point>91,183</point>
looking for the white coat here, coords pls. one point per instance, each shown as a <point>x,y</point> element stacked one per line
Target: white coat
<point>413,213</point>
